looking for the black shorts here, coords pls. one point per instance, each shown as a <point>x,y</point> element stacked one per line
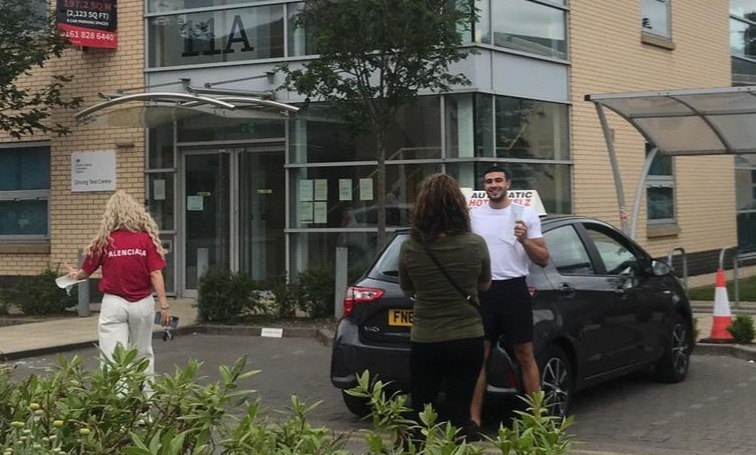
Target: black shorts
<point>508,311</point>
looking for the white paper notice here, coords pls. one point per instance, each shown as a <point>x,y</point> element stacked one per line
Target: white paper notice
<point>366,189</point>
<point>345,189</point>
<point>305,190</point>
<point>321,212</point>
<point>158,190</point>
<point>65,281</point>
<point>305,212</point>
<point>321,190</point>
<point>271,332</point>
<point>194,203</point>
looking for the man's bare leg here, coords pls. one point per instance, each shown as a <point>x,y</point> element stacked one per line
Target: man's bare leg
<point>476,405</point>
<point>526,359</point>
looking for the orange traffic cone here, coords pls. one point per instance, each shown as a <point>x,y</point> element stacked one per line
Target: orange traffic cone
<point>722,316</point>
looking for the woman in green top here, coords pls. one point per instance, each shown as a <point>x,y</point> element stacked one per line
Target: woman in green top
<point>447,331</point>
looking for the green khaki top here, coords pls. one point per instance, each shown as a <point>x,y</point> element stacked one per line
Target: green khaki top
<point>441,313</point>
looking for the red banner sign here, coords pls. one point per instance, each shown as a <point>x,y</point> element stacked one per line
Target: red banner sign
<point>89,23</point>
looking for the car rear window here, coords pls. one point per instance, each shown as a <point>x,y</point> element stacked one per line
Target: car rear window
<point>387,265</point>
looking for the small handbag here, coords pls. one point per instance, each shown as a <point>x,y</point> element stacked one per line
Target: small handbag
<point>469,297</point>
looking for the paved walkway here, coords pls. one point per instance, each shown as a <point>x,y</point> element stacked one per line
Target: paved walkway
<point>60,334</point>
<point>70,332</point>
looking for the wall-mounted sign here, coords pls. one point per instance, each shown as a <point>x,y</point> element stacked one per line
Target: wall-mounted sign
<point>89,23</point>
<point>93,171</point>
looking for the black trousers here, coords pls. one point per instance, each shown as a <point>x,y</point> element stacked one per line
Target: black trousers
<point>456,363</point>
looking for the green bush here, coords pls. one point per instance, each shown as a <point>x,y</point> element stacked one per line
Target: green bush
<point>106,411</point>
<point>38,295</point>
<point>742,329</point>
<point>225,297</point>
<point>285,294</point>
<point>316,292</point>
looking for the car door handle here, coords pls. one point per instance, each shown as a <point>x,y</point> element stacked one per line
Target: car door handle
<point>567,289</point>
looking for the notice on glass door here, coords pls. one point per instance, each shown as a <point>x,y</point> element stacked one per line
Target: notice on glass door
<point>321,190</point>
<point>305,212</point>
<point>366,189</point>
<point>305,190</point>
<point>158,190</point>
<point>194,203</point>
<point>321,212</point>
<point>345,189</point>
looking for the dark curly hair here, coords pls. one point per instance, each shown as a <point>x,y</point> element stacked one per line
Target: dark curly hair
<point>440,208</point>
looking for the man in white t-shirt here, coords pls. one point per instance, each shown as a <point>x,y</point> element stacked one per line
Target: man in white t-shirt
<point>514,239</point>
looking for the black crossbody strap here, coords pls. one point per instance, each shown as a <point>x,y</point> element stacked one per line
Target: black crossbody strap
<point>461,291</point>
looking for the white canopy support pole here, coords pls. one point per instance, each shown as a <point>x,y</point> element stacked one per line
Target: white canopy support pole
<point>615,166</point>
<point>639,190</point>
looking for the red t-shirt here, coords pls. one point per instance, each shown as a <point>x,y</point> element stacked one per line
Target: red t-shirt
<point>126,265</point>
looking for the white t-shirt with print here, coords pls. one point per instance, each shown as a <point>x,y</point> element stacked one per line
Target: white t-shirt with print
<point>496,226</point>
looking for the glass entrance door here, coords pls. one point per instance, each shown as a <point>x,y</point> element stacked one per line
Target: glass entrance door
<point>234,212</point>
<point>207,217</point>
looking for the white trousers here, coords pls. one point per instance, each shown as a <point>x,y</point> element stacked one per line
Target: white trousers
<point>128,323</point>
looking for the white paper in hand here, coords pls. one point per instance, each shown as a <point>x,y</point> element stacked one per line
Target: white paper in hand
<point>66,281</point>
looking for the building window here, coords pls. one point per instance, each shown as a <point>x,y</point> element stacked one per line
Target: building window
<point>531,27</point>
<point>224,35</point>
<point>24,191</point>
<point>660,190</point>
<point>655,17</point>
<point>745,198</point>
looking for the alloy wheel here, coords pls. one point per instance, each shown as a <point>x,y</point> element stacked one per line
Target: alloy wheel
<point>679,348</point>
<point>555,381</point>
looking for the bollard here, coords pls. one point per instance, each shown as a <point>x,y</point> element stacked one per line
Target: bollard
<point>83,291</point>
<point>340,284</point>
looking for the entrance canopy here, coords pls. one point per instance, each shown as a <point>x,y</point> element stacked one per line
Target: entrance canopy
<point>717,121</point>
<point>151,109</point>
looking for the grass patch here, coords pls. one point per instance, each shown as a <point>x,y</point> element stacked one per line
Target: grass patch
<point>746,291</point>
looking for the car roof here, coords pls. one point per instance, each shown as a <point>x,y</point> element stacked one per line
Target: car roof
<point>546,220</point>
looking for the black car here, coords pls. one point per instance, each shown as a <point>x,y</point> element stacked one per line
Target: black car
<point>603,308</point>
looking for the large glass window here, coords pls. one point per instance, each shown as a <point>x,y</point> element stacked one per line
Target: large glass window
<point>530,27</point>
<point>531,129</point>
<point>24,191</point>
<point>345,196</point>
<point>160,6</point>
<point>469,125</point>
<point>743,38</point>
<point>660,190</point>
<point>745,197</point>
<point>316,137</point>
<point>228,35</point>
<point>655,17</point>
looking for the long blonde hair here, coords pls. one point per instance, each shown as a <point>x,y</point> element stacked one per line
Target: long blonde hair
<point>123,212</point>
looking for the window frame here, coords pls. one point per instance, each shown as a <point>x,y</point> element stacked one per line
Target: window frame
<point>661,181</point>
<point>27,195</point>
<point>648,30</point>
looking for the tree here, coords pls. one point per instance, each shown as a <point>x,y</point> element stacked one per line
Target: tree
<point>28,39</point>
<point>374,58</point>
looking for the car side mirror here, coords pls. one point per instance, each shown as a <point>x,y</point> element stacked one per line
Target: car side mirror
<point>660,268</point>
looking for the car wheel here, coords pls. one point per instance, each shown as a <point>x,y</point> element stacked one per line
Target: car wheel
<point>556,380</point>
<point>673,365</point>
<point>358,406</point>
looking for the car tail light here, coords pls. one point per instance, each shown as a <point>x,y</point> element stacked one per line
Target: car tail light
<point>357,295</point>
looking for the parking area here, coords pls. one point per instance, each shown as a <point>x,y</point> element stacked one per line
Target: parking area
<point>712,412</point>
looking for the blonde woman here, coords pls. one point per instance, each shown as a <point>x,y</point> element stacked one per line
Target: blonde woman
<point>128,249</point>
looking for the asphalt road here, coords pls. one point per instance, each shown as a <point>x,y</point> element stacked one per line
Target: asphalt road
<point>712,412</point>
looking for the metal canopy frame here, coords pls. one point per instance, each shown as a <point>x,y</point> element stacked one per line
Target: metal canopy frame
<point>716,121</point>
<point>197,99</point>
